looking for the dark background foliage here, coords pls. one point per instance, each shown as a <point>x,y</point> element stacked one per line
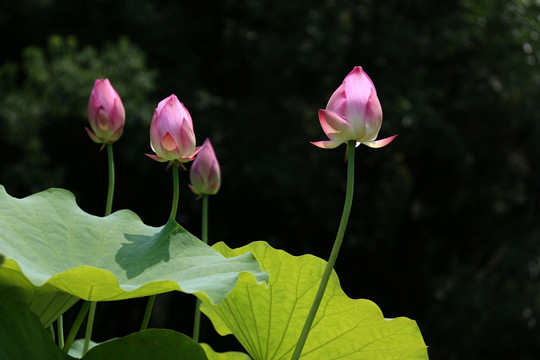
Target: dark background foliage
<point>444,227</point>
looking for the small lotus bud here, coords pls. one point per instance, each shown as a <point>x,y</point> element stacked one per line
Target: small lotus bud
<point>205,175</point>
<point>105,113</point>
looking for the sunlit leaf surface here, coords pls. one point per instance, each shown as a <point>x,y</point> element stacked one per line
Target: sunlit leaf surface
<point>268,320</point>
<point>229,355</point>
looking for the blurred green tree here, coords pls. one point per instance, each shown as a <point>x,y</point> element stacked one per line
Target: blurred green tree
<point>43,110</point>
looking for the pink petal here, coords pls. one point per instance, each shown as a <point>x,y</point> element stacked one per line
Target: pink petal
<point>93,106</point>
<point>204,159</point>
<point>93,136</point>
<point>327,144</point>
<point>155,136</point>
<point>373,116</point>
<point>117,134</point>
<point>186,138</point>
<point>157,158</point>
<point>104,93</point>
<point>186,159</point>
<point>118,114</point>
<point>335,126</point>
<point>359,68</point>
<point>169,119</point>
<point>197,150</point>
<point>186,115</point>
<point>357,89</point>
<point>168,143</point>
<point>103,121</point>
<point>165,101</point>
<point>379,143</point>
<point>338,101</point>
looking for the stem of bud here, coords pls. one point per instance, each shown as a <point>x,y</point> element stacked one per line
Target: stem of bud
<point>204,235</point>
<point>108,210</point>
<point>335,250</point>
<point>110,192</point>
<point>76,325</point>
<point>174,209</point>
<point>176,191</point>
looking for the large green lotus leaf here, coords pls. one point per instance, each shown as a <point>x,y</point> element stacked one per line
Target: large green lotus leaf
<point>267,321</point>
<point>148,344</point>
<point>54,243</point>
<point>22,336</point>
<point>229,355</point>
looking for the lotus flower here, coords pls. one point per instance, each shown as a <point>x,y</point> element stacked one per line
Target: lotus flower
<point>105,113</point>
<point>205,175</point>
<point>353,113</point>
<point>171,132</point>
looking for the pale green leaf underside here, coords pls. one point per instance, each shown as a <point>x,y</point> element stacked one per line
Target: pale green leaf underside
<point>267,321</point>
<point>59,247</point>
<point>76,349</point>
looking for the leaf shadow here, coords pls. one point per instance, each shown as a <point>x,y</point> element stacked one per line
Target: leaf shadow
<point>143,252</point>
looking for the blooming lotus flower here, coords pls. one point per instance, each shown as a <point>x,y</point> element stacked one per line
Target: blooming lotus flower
<point>171,132</point>
<point>204,174</point>
<point>353,113</point>
<point>105,113</point>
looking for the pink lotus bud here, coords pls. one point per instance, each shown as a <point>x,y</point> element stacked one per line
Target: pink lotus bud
<point>171,132</point>
<point>105,113</point>
<point>204,174</point>
<point>353,113</point>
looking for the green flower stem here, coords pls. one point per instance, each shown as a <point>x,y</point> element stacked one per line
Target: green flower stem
<point>204,220</point>
<point>174,209</point>
<point>204,234</point>
<point>50,329</point>
<point>333,256</point>
<point>176,192</point>
<point>60,331</point>
<point>108,210</point>
<point>110,192</point>
<point>89,326</point>
<point>148,312</point>
<point>197,320</point>
<point>76,325</point>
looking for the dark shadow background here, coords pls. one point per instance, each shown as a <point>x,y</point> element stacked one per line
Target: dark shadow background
<point>444,228</point>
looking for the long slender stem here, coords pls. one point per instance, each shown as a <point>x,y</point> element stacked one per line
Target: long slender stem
<point>76,325</point>
<point>197,320</point>
<point>204,234</point>
<point>60,331</point>
<point>110,192</point>
<point>89,326</point>
<point>148,312</point>
<point>174,209</point>
<point>176,191</point>
<point>204,220</point>
<point>334,253</point>
<point>50,329</point>
<point>108,210</point>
